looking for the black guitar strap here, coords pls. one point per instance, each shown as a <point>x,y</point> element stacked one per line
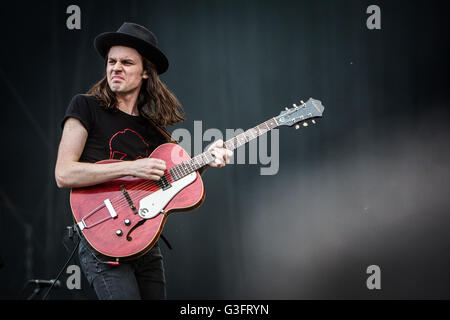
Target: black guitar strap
<point>163,132</point>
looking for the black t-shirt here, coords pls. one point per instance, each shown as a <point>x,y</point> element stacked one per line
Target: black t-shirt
<point>112,134</point>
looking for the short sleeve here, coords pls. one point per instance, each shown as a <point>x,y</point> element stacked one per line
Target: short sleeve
<point>80,109</point>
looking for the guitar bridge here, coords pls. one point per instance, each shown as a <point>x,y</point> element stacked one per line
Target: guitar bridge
<point>130,202</point>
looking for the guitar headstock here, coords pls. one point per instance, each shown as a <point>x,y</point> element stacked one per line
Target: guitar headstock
<point>299,115</point>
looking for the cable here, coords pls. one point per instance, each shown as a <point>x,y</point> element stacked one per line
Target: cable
<point>63,268</point>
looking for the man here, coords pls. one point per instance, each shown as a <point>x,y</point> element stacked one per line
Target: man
<point>116,120</point>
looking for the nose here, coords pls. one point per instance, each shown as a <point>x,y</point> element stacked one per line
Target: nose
<point>117,67</point>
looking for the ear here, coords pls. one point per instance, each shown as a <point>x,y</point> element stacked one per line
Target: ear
<point>145,75</point>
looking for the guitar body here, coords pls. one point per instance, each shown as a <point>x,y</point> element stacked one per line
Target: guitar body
<point>105,212</point>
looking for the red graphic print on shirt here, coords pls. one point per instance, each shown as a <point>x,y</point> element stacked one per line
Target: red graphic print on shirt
<point>127,145</point>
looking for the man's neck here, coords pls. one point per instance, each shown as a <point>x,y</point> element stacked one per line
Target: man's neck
<point>127,102</point>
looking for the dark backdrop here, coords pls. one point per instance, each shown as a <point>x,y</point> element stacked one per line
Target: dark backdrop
<point>367,185</point>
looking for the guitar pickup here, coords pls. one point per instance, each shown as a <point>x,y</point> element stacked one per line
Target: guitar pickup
<point>163,183</point>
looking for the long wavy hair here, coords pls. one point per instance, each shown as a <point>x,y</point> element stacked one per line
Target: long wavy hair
<point>155,102</point>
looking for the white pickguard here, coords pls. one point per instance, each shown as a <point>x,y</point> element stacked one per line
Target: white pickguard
<point>153,204</point>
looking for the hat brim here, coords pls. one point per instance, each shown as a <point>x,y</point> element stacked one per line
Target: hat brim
<point>103,42</point>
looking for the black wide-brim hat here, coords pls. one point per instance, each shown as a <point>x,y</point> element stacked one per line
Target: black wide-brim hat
<point>137,37</point>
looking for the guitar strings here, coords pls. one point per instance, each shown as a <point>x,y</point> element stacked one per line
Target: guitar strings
<point>152,184</point>
<point>122,202</point>
<point>144,187</point>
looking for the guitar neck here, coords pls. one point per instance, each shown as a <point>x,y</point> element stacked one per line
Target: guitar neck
<point>203,159</point>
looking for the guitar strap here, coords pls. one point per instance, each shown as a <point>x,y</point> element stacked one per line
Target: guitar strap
<point>163,132</point>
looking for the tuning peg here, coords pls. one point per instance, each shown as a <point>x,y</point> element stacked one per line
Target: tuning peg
<point>294,105</point>
<point>302,102</point>
<point>286,108</point>
<point>297,126</point>
<point>305,124</point>
<point>313,121</point>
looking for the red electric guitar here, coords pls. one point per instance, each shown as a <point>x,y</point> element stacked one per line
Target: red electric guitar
<point>123,218</point>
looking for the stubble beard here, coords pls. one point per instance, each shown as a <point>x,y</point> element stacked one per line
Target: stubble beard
<point>121,88</point>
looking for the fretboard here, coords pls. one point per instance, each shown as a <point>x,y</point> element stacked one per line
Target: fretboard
<point>203,159</point>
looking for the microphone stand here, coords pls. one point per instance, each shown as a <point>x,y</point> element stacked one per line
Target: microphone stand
<point>36,291</point>
<point>40,284</point>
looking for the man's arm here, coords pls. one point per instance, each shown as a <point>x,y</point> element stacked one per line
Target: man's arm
<point>70,173</point>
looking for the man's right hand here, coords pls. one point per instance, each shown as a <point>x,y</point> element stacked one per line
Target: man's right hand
<point>148,168</point>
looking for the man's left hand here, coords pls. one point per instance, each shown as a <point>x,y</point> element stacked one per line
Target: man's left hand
<point>221,154</point>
